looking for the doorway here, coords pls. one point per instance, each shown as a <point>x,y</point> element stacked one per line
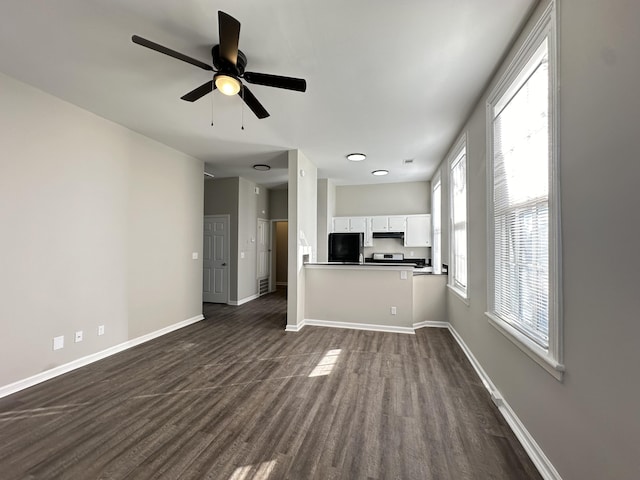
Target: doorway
<point>279,253</point>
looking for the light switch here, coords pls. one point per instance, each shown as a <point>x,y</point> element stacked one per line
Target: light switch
<point>194,255</point>
<point>58,342</point>
<point>241,254</point>
<point>403,275</point>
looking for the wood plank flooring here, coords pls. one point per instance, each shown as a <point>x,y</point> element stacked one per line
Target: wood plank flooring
<point>234,397</point>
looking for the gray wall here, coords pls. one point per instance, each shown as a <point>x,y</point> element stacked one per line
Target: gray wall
<point>588,425</point>
<point>326,210</point>
<point>278,203</point>
<point>98,228</point>
<point>383,199</point>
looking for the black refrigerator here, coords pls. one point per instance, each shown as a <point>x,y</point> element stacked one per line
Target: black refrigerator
<point>346,247</point>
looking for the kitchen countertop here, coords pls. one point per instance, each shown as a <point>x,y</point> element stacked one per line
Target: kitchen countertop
<point>373,266</point>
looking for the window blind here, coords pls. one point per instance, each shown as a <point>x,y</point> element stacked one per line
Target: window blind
<point>521,203</point>
<point>437,228</point>
<point>459,222</point>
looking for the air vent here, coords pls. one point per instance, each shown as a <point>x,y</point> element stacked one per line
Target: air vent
<point>263,286</point>
<point>408,161</point>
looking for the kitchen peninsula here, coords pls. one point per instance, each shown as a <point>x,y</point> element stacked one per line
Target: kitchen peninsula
<point>371,296</point>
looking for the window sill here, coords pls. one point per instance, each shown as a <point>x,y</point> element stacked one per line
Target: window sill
<point>459,293</point>
<point>534,351</point>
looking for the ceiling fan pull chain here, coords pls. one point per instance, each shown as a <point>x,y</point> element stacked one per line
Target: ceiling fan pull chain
<point>242,111</point>
<point>212,108</point>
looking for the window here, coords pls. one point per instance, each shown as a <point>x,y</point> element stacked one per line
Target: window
<point>458,237</point>
<point>523,211</point>
<point>436,217</point>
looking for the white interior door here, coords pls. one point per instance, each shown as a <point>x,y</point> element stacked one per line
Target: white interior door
<point>263,248</point>
<point>215,259</point>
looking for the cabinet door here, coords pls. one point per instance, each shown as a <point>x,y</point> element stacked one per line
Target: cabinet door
<point>397,224</point>
<point>340,224</point>
<point>379,224</point>
<point>358,224</point>
<point>418,232</point>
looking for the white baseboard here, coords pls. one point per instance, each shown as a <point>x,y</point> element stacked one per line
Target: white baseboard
<point>531,447</point>
<point>539,459</point>
<point>243,300</point>
<point>430,324</point>
<point>94,357</point>
<point>294,328</point>
<point>358,326</point>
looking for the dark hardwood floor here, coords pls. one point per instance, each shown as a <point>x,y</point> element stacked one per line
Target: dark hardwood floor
<point>234,397</point>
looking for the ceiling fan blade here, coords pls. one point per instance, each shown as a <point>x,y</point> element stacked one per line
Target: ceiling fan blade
<point>229,31</point>
<point>199,92</point>
<point>290,83</point>
<point>253,103</point>
<point>172,53</point>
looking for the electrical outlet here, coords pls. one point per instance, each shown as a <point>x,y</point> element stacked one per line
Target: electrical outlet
<point>101,330</point>
<point>78,337</point>
<point>393,310</point>
<point>58,342</point>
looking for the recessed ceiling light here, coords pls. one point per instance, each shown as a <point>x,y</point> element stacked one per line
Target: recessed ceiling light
<point>262,167</point>
<point>379,173</point>
<point>356,157</point>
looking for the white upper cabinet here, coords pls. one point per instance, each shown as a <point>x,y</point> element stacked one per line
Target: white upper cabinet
<point>397,224</point>
<point>388,224</point>
<point>418,231</point>
<point>354,225</point>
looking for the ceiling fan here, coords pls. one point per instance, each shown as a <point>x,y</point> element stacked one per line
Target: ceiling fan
<point>229,66</point>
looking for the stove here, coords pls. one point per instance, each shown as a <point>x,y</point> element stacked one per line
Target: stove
<point>395,258</point>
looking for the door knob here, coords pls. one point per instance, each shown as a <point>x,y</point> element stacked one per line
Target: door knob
<point>224,264</point>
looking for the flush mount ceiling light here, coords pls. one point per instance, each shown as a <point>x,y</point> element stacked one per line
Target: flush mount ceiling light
<point>261,167</point>
<point>379,173</point>
<point>210,175</point>
<point>356,157</point>
<point>227,84</point>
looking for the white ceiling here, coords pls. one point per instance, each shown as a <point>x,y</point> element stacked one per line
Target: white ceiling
<point>393,79</point>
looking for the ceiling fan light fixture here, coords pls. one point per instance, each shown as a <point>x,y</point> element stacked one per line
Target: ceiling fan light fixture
<point>227,84</point>
<point>379,173</point>
<point>356,157</point>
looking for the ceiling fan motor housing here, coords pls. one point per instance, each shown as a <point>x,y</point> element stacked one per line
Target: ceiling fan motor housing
<point>225,66</point>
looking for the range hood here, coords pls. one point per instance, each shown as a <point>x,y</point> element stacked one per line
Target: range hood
<point>399,235</point>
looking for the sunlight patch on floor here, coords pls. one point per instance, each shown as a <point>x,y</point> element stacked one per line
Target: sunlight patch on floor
<point>326,364</point>
<point>260,471</point>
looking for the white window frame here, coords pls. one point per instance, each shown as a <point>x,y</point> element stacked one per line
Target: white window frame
<point>436,183</point>
<point>457,152</point>
<point>550,358</point>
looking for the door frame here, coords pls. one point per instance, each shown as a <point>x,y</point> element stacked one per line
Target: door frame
<point>227,248</point>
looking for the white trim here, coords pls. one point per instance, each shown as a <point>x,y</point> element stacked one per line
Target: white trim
<point>552,359</point>
<point>458,294</point>
<point>358,326</point>
<point>537,456</point>
<point>294,328</point>
<point>534,351</point>
<point>243,300</point>
<point>386,267</point>
<point>430,324</point>
<point>454,157</point>
<point>94,357</point>
<point>530,446</point>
